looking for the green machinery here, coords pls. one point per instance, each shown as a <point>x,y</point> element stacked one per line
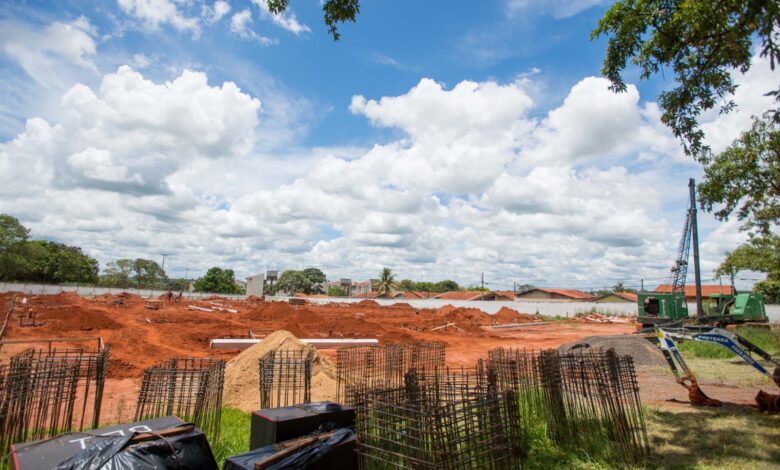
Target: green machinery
<point>670,308</point>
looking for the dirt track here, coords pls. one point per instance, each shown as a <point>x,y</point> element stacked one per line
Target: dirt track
<point>139,337</point>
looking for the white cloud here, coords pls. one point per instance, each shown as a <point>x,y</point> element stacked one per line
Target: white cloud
<point>240,25</point>
<point>721,130</point>
<point>286,20</point>
<point>44,54</point>
<point>556,8</point>
<point>132,134</point>
<point>155,13</point>
<point>136,167</point>
<point>215,13</point>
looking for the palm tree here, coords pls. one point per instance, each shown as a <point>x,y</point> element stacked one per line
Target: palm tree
<point>385,283</point>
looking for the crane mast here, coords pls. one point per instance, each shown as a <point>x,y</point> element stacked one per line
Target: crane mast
<point>690,236</point>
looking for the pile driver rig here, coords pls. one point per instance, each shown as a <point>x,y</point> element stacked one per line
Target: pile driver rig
<point>664,317</point>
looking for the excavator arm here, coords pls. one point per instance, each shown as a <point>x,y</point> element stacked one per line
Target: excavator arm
<point>738,345</point>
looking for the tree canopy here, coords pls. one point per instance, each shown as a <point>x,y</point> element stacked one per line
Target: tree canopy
<point>745,178</point>
<point>701,42</point>
<point>308,281</point>
<point>13,237</point>
<point>22,259</point>
<point>147,273</point>
<point>761,254</point>
<point>386,282</point>
<point>333,11</point>
<point>218,280</point>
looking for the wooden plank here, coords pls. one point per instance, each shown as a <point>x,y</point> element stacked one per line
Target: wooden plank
<point>319,343</point>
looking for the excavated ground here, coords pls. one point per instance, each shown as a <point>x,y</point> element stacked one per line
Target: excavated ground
<point>139,337</point>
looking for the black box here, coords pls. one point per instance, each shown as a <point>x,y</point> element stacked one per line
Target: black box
<point>281,424</point>
<point>337,453</point>
<point>48,453</point>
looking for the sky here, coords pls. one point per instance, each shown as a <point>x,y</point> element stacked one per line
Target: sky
<point>441,139</point>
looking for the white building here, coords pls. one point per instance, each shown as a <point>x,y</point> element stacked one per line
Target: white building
<point>254,285</point>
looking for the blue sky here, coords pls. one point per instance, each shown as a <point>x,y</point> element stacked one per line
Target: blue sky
<point>442,139</point>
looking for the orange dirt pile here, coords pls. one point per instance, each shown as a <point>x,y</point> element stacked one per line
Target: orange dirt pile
<point>242,383</point>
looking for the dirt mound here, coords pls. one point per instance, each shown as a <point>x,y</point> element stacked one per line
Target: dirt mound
<point>242,382</point>
<point>369,302</point>
<point>282,311</point>
<point>643,352</point>
<point>508,315</point>
<point>469,319</point>
<point>83,320</point>
<point>401,305</point>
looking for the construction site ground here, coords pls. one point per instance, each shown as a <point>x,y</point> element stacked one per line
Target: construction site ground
<point>140,337</point>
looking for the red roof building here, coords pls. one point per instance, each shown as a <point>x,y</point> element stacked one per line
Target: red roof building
<point>466,295</point>
<point>690,290</point>
<point>543,293</point>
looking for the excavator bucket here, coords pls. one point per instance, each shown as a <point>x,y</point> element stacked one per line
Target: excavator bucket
<point>699,398</point>
<point>776,376</point>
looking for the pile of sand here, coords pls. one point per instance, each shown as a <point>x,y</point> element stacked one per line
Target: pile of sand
<point>242,381</point>
<point>643,351</point>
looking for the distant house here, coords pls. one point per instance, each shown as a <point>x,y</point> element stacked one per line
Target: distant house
<point>414,295</point>
<point>466,295</point>
<point>540,293</point>
<point>367,295</point>
<point>690,290</point>
<point>505,295</point>
<point>618,297</point>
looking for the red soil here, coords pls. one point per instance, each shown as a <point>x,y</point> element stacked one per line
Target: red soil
<point>140,338</point>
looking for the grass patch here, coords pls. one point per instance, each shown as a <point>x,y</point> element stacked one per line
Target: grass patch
<point>765,338</point>
<point>708,438</point>
<point>233,435</point>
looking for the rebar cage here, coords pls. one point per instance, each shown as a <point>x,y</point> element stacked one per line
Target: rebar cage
<point>457,420</point>
<point>285,377</point>
<point>377,367</point>
<point>587,400</point>
<point>45,392</point>
<point>189,388</point>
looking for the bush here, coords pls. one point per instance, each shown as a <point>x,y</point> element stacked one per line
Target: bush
<point>769,289</point>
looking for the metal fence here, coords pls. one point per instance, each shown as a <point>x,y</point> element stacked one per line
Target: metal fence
<point>454,421</point>
<point>190,388</point>
<point>375,367</point>
<point>45,392</point>
<point>587,400</point>
<point>285,377</point>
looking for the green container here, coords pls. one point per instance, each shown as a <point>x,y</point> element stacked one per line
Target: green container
<point>660,308</point>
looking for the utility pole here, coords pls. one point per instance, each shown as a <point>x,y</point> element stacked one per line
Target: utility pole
<point>163,263</point>
<point>695,235</point>
<point>642,285</point>
<point>165,276</point>
<point>482,290</point>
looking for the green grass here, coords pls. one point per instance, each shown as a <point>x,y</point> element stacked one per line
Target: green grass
<point>708,438</point>
<point>765,338</point>
<point>233,435</point>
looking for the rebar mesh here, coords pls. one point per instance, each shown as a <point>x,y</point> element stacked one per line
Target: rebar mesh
<point>377,367</point>
<point>586,400</point>
<point>189,388</point>
<point>458,420</point>
<point>285,378</point>
<point>46,392</point>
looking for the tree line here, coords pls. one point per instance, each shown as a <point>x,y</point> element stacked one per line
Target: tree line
<point>42,261</point>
